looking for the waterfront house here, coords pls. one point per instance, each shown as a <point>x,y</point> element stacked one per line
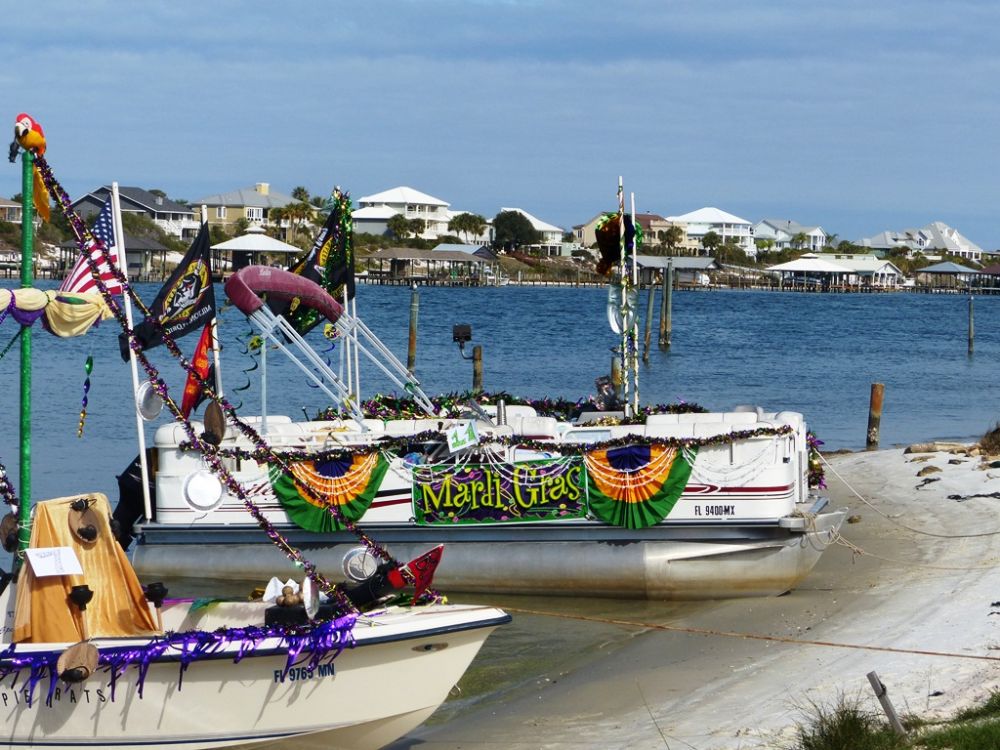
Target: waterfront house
<point>252,203</point>
<point>551,242</point>
<point>726,225</point>
<point>176,219</point>
<point>374,211</point>
<point>935,236</point>
<point>785,234</point>
<point>654,228</point>
<point>10,211</point>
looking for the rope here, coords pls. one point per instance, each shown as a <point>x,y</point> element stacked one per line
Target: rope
<point>898,523</point>
<point>751,636</point>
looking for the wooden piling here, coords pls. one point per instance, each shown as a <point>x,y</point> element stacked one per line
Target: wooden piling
<point>411,350</point>
<point>972,327</point>
<point>616,375</point>
<point>650,300</point>
<point>666,306</point>
<point>883,698</point>
<point>875,415</point>
<point>477,368</point>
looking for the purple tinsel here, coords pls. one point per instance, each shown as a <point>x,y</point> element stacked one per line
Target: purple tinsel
<point>321,642</point>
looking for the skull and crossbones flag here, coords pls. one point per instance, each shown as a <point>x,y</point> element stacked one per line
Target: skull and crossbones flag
<point>185,303</point>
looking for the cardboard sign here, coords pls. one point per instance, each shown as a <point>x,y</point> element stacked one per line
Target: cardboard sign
<point>54,561</point>
<point>462,436</point>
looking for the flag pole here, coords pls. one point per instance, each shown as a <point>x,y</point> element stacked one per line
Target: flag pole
<point>215,325</point>
<point>27,280</point>
<point>116,213</point>
<point>635,313</point>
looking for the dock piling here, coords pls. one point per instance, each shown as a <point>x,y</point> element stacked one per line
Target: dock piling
<point>666,306</point>
<point>874,415</point>
<point>411,351</point>
<point>477,368</point>
<point>650,301</point>
<point>972,328</point>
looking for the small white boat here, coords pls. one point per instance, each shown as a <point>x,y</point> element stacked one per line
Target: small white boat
<point>214,674</point>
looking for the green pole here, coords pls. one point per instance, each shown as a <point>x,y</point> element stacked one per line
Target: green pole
<point>27,280</point>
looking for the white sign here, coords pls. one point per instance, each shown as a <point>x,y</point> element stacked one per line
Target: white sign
<point>54,561</point>
<point>462,436</point>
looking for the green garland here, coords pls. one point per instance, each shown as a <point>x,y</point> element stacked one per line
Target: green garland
<point>452,405</point>
<point>400,446</point>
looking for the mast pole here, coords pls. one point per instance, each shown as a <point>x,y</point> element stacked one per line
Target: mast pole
<point>27,280</point>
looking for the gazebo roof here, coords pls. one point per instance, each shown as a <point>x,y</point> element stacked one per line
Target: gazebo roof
<point>810,263</point>
<point>255,241</point>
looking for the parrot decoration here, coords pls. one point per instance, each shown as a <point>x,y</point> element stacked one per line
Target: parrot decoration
<point>28,134</point>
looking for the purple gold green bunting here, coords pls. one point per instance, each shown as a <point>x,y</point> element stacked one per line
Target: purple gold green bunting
<point>350,483</point>
<point>636,486</point>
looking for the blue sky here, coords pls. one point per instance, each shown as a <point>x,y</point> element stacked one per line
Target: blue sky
<point>858,116</point>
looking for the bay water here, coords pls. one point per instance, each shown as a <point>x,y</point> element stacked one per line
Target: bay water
<point>814,353</point>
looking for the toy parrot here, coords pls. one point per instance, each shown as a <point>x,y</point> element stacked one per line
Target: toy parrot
<point>28,134</point>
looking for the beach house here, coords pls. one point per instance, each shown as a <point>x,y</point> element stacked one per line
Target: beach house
<point>252,204</point>
<point>176,219</point>
<point>374,212</point>
<point>783,234</point>
<point>935,237</point>
<point>726,225</point>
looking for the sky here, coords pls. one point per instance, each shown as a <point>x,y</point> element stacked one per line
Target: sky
<point>855,116</point>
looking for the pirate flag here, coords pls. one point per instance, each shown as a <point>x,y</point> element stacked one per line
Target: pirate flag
<point>185,303</point>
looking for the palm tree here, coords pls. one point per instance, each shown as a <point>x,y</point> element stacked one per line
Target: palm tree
<point>300,194</point>
<point>399,225</point>
<point>800,240</point>
<point>467,224</point>
<point>711,242</point>
<point>672,237</point>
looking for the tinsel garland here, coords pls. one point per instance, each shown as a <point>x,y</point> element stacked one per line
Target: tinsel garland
<point>451,405</point>
<point>83,235</point>
<point>322,641</point>
<point>817,475</point>
<point>401,446</point>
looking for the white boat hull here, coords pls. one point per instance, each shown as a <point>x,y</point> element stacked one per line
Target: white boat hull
<point>662,563</point>
<point>387,684</point>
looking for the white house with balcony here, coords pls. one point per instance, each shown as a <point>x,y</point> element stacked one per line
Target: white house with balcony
<point>724,224</point>
<point>174,218</point>
<point>551,242</point>
<point>374,211</point>
<point>782,233</point>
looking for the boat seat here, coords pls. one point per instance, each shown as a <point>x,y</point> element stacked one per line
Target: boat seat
<point>740,417</point>
<point>536,427</point>
<point>658,419</point>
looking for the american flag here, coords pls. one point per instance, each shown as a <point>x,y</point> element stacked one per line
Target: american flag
<point>80,279</point>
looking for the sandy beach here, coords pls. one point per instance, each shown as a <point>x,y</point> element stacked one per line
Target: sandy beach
<point>913,604</point>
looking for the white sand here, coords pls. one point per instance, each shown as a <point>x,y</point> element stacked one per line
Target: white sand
<point>678,690</point>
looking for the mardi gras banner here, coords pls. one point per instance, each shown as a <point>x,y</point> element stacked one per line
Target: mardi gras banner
<point>637,485</point>
<point>499,493</point>
<point>348,483</point>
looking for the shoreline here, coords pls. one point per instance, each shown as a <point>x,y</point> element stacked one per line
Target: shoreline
<point>888,597</point>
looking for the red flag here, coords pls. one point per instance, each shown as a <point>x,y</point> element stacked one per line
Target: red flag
<point>192,389</point>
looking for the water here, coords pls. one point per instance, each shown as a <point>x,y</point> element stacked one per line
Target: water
<point>814,353</point>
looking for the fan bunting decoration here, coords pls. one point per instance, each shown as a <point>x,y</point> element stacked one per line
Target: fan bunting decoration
<point>349,483</point>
